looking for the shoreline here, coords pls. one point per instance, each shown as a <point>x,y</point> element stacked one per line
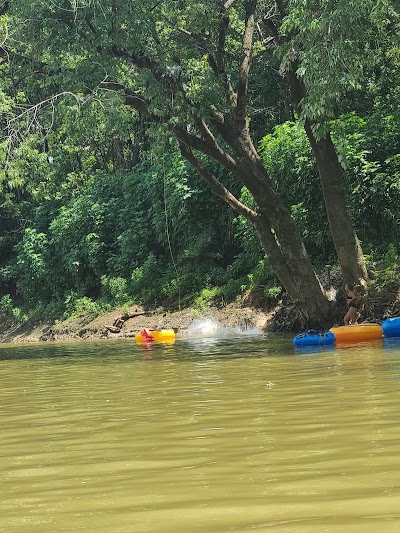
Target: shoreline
<point>124,323</point>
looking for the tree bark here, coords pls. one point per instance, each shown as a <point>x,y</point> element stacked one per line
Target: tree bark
<point>285,249</point>
<point>293,268</point>
<point>347,245</point>
<point>348,248</point>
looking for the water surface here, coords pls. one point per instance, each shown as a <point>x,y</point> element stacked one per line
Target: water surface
<point>205,435</point>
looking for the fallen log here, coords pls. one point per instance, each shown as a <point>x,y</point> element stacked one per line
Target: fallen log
<point>113,329</point>
<point>119,321</point>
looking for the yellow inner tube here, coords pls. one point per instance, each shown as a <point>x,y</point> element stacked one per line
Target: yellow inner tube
<point>357,332</point>
<point>159,335</point>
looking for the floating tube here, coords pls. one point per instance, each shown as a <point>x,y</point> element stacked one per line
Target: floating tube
<point>357,332</point>
<point>156,335</point>
<point>391,327</point>
<point>314,338</point>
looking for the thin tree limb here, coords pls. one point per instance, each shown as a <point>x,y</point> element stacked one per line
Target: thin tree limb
<point>132,99</point>
<point>206,147</point>
<point>146,62</point>
<point>211,140</point>
<point>216,186</point>
<point>247,47</point>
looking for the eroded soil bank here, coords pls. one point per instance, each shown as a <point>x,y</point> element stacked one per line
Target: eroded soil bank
<point>382,302</point>
<point>121,323</point>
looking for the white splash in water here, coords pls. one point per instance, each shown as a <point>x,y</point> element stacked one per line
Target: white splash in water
<point>209,327</point>
<point>206,327</point>
<point>247,330</point>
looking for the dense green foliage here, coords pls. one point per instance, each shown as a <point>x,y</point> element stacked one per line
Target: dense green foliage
<point>154,235</point>
<point>97,206</point>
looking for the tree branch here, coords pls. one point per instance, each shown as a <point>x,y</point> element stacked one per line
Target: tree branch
<point>207,146</point>
<point>160,73</point>
<point>219,154</point>
<point>216,61</point>
<point>222,32</point>
<point>131,99</point>
<point>135,100</point>
<point>219,60</point>
<point>240,112</point>
<point>216,186</point>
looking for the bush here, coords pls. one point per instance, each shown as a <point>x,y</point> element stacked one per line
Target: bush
<point>145,281</point>
<point>82,306</point>
<point>208,297</point>
<point>114,290</point>
<point>6,305</point>
<point>31,267</point>
<point>9,312</point>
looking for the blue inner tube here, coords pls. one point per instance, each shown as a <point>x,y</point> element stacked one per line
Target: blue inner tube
<point>313,337</point>
<point>391,327</point>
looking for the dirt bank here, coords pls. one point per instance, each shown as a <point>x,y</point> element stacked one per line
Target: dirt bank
<point>121,323</point>
<point>382,302</point>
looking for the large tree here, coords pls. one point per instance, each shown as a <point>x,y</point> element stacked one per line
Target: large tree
<point>324,59</point>
<point>184,66</point>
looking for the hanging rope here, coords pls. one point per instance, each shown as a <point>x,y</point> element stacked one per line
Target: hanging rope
<point>167,228</point>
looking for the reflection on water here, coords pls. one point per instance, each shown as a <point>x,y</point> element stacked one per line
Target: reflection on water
<point>205,435</point>
<point>392,344</point>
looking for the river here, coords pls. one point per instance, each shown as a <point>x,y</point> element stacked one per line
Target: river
<point>233,434</point>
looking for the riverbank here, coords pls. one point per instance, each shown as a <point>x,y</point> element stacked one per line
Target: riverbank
<point>251,312</point>
<point>124,323</point>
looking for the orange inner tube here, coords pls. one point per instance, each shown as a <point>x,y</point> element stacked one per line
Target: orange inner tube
<point>357,332</point>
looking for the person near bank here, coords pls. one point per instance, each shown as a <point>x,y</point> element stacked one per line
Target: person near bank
<point>352,312</point>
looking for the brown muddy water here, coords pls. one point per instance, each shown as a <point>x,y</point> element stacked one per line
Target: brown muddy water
<point>233,434</point>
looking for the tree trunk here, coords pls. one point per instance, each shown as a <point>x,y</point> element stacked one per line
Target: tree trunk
<point>347,245</point>
<point>293,268</point>
<point>282,241</point>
